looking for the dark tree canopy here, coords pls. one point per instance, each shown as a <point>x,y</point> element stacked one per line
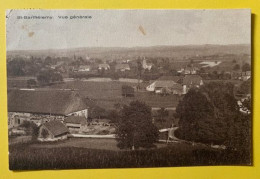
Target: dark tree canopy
<point>211,115</point>
<point>128,91</point>
<point>31,129</point>
<point>246,67</point>
<point>236,67</point>
<point>135,128</point>
<point>46,77</point>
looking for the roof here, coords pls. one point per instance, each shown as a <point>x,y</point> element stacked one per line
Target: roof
<point>84,66</point>
<point>170,78</point>
<point>56,127</point>
<point>192,80</point>
<point>246,73</point>
<point>122,66</point>
<point>104,65</point>
<point>167,84</point>
<point>56,102</point>
<point>76,120</point>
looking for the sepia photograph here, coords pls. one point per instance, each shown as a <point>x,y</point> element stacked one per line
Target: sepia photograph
<point>91,89</point>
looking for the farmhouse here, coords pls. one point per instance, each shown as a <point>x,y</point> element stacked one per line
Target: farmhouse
<point>84,68</point>
<point>76,124</point>
<point>41,106</point>
<point>168,84</point>
<point>122,67</point>
<point>103,66</point>
<point>52,131</point>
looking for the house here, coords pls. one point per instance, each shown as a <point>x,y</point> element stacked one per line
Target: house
<point>122,67</point>
<point>168,84</point>
<point>245,75</point>
<point>188,70</point>
<point>146,65</point>
<point>41,106</point>
<point>103,66</point>
<point>76,124</point>
<point>236,75</point>
<point>169,87</point>
<point>84,68</point>
<point>57,65</point>
<point>190,81</point>
<point>53,131</point>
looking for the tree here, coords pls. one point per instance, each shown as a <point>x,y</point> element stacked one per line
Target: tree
<point>135,128</point>
<point>97,112</point>
<point>44,133</point>
<point>48,60</point>
<point>211,115</point>
<point>31,83</point>
<point>236,67</point>
<point>246,67</point>
<point>16,67</point>
<point>113,116</point>
<point>196,114</point>
<point>31,129</point>
<point>46,77</point>
<point>56,77</point>
<point>245,87</point>
<point>162,113</point>
<point>139,69</point>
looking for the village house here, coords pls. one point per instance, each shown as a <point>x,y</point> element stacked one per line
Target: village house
<point>122,67</point>
<point>53,131</point>
<point>168,84</point>
<point>76,124</point>
<point>146,65</point>
<point>245,75</point>
<point>188,70</point>
<point>41,106</point>
<point>57,65</point>
<point>103,66</point>
<point>84,68</point>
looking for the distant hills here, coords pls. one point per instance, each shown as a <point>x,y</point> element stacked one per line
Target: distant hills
<point>177,52</point>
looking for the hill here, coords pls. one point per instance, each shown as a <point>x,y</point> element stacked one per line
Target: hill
<point>176,52</point>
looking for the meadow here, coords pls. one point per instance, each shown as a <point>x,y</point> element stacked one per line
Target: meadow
<point>106,94</point>
<point>43,156</point>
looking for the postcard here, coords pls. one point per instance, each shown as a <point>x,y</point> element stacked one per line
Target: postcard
<point>90,89</point>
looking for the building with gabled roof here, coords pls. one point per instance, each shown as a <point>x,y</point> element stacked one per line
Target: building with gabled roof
<point>122,67</point>
<point>52,131</point>
<point>84,68</point>
<point>44,105</point>
<point>76,124</point>
<point>167,84</point>
<point>104,66</point>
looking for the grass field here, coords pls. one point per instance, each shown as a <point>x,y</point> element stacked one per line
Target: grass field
<point>84,154</point>
<point>106,94</point>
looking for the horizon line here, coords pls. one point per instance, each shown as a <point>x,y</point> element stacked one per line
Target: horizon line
<point>126,47</point>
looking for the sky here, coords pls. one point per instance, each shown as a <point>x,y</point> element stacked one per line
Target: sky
<point>126,28</point>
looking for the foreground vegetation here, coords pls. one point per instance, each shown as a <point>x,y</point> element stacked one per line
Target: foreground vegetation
<point>24,157</point>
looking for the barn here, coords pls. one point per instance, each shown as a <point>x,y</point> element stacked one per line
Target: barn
<point>53,131</point>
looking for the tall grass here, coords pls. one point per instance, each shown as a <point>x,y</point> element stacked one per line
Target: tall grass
<point>22,157</point>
